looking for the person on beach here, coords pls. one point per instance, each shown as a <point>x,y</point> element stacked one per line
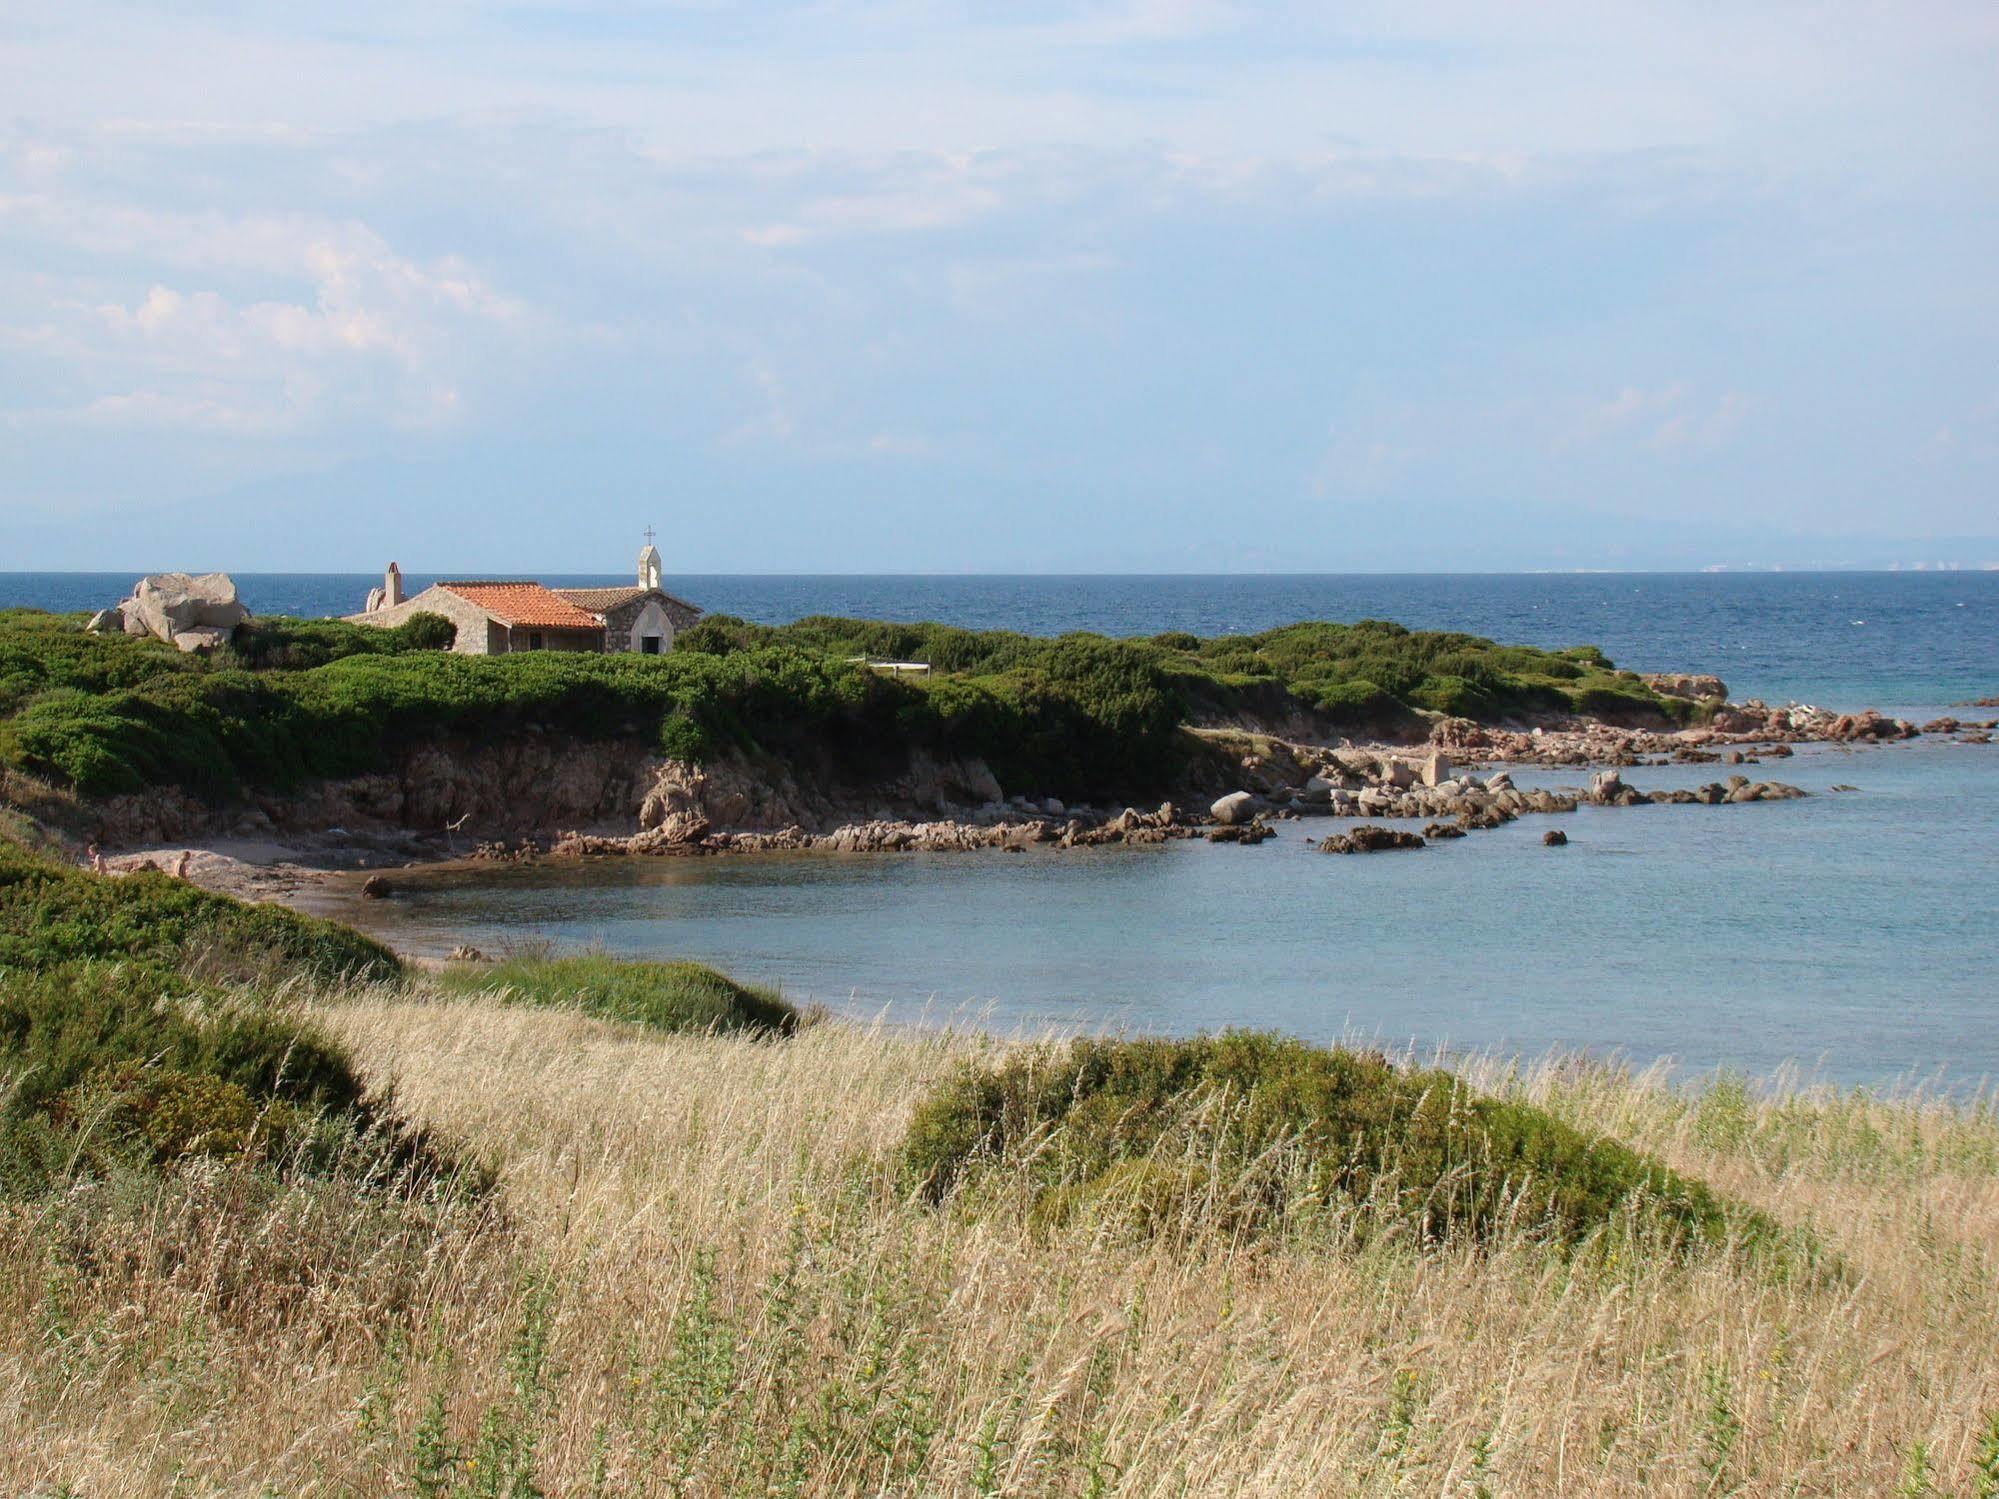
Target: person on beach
<point>96,856</point>
<point>180,865</point>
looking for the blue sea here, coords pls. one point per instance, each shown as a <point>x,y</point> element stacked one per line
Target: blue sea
<point>1854,935</point>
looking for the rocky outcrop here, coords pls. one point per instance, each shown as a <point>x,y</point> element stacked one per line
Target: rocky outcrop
<point>195,613</point>
<point>1693,687</point>
<point>1129,827</point>
<point>1734,792</point>
<point>1868,724</point>
<point>1249,833</point>
<point>1607,789</point>
<point>1369,839</point>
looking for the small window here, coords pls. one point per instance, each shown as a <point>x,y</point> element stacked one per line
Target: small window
<point>534,640</point>
<point>649,644</point>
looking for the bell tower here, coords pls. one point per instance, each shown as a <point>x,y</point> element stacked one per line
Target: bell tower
<point>649,563</point>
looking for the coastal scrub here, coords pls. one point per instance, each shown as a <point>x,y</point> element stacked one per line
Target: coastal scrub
<point>53,913</point>
<point>144,1023</point>
<point>1243,1130</point>
<point>1078,715</point>
<point>670,998</point>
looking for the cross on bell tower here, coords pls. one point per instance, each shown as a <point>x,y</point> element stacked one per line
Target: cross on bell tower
<point>649,568</point>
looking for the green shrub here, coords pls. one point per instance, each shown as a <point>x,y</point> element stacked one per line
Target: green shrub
<point>122,1064</point>
<point>40,652</point>
<point>175,1113</point>
<point>1356,702</point>
<point>1251,1128</point>
<point>275,642</point>
<point>51,914</point>
<point>675,998</point>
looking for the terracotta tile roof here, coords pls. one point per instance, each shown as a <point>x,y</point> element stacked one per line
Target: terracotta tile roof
<point>524,604</point>
<point>600,599</point>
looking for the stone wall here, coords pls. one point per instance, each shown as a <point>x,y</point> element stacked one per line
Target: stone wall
<point>477,636</point>
<point>521,638</point>
<point>659,614</point>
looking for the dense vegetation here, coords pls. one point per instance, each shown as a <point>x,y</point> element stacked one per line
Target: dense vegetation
<point>1367,674</point>
<point>672,998</point>
<point>1252,1129</point>
<point>1078,715</point>
<point>51,914</point>
<point>136,1029</point>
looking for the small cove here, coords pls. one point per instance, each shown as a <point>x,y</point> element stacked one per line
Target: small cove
<point>1850,934</point>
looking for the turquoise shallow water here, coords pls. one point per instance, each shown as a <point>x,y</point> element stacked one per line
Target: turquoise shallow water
<point>1852,934</point>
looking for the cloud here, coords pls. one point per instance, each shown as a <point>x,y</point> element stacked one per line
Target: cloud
<point>1668,419</point>
<point>371,335</point>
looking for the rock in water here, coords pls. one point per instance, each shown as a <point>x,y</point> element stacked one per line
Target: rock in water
<point>1369,839</point>
<point>1554,838</point>
<point>376,888</point>
<point>1236,807</point>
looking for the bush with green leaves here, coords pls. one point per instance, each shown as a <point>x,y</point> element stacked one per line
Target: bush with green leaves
<point>52,914</point>
<point>41,652</point>
<point>143,1021</point>
<point>275,642</point>
<point>674,998</point>
<point>131,1065</point>
<point>1371,673</point>
<point>1245,1130</point>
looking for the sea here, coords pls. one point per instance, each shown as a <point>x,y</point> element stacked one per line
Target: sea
<point>1851,937</point>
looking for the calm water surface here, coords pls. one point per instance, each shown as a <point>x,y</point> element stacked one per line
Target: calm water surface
<point>1851,933</point>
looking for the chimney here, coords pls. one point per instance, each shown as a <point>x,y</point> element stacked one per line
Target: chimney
<point>392,587</point>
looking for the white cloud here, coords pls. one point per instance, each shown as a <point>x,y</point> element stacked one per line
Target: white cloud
<point>372,335</point>
<point>1666,419</point>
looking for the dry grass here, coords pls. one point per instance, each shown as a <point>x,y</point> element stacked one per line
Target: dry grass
<point>708,1279</point>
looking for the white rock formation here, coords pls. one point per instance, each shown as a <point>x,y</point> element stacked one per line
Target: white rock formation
<point>194,613</point>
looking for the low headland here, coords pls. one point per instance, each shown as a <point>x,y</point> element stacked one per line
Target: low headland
<point>279,1211</point>
<point>302,745</point>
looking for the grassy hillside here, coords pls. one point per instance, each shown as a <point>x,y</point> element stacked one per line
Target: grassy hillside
<point>711,1276</point>
<point>1079,715</point>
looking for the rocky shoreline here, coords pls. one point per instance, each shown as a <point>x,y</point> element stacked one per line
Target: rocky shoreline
<point>544,798</point>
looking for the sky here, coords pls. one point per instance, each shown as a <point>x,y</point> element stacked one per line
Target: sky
<point>907,285</point>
